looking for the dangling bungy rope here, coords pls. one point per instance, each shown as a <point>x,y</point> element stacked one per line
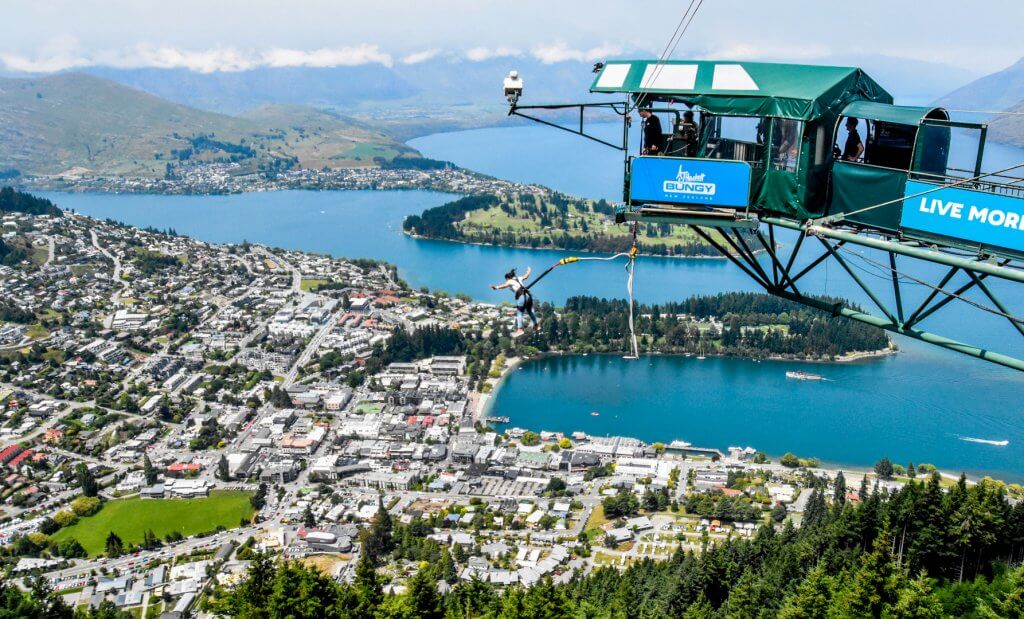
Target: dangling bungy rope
<point>630,270</point>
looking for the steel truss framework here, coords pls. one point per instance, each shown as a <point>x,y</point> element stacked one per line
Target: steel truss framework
<point>781,278</point>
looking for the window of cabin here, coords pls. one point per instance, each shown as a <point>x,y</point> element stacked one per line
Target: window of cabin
<point>879,143</point>
<point>740,138</point>
<point>785,145</point>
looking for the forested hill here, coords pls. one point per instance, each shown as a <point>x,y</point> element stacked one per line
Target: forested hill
<point>740,324</point>
<point>13,201</point>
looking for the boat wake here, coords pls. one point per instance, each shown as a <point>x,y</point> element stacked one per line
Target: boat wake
<point>984,441</point>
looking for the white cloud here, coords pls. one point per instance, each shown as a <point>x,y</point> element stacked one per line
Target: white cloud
<point>478,54</point>
<point>327,57</point>
<point>418,57</point>
<point>202,61</point>
<point>560,52</point>
<point>205,61</point>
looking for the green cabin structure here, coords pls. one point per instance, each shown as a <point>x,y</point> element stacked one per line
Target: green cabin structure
<point>785,126</point>
<point>746,148</point>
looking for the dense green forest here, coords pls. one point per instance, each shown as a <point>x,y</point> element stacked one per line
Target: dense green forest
<point>753,325</point>
<point>554,221</point>
<point>409,162</point>
<point>12,201</point>
<point>921,552</point>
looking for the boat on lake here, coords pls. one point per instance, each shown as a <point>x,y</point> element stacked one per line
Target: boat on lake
<point>798,375</point>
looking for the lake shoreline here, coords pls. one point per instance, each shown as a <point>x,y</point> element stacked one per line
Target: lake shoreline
<point>824,464</point>
<point>420,237</point>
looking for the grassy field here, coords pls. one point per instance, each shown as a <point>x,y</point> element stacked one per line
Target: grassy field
<point>596,520</point>
<point>308,285</point>
<point>130,518</point>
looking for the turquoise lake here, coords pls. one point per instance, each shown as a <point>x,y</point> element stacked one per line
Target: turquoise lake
<point>919,405</point>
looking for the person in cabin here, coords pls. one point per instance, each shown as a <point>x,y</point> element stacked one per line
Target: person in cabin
<point>524,299</point>
<point>854,147</point>
<point>654,139</point>
<point>688,134</point>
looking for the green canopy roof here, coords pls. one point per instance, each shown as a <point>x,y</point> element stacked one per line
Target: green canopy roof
<point>900,114</point>
<point>743,88</point>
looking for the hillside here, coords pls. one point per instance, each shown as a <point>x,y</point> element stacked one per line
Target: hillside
<point>996,91</point>
<point>81,123</point>
<point>1009,129</point>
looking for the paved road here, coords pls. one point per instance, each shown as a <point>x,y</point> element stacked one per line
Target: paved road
<point>311,348</point>
<point>50,250</point>
<point>116,297</point>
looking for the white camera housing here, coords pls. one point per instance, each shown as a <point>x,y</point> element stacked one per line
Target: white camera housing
<point>513,87</point>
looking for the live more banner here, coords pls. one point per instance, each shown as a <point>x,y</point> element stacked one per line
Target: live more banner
<point>670,180</point>
<point>984,218</point>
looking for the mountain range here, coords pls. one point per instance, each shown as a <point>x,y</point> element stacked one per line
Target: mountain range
<point>83,123</point>
<point>448,92</point>
<point>134,122</point>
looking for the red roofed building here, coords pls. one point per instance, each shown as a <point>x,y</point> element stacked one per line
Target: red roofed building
<point>181,469</point>
<point>19,459</point>
<point>9,453</point>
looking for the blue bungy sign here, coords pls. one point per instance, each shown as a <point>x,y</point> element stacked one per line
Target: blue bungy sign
<point>975,216</point>
<point>671,180</point>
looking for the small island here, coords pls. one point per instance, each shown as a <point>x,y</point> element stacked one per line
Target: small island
<point>550,220</point>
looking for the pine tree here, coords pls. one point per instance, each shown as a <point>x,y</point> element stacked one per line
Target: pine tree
<point>308,519</point>
<point>812,599</point>
<point>875,583</point>
<point>449,572</point>
<point>915,601</point>
<point>114,545</point>
<point>148,471</point>
<point>378,541</point>
<point>223,472</point>
<point>815,513</point>
<point>839,494</point>
<point>424,600</point>
<point>911,471</point>
<point>369,593</point>
<point>86,480</point>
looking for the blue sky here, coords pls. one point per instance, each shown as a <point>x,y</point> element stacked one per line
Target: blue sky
<point>210,35</point>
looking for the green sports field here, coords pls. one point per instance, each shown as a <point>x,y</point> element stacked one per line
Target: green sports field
<point>130,518</point>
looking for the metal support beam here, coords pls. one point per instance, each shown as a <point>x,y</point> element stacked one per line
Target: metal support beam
<point>749,255</point>
<point>867,289</point>
<point>1016,322</point>
<point>949,298</point>
<point>807,269</point>
<point>896,286</point>
<point>904,249</point>
<point>711,241</point>
<point>777,269</point>
<point>931,295</point>
<point>516,112</point>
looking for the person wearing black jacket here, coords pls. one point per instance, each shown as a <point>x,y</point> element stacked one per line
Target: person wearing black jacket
<point>654,140</point>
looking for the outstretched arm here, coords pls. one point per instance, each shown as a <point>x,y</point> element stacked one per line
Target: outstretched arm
<point>499,286</point>
<point>526,275</point>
